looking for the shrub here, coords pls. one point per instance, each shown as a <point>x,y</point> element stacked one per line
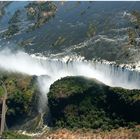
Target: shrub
<point>77,102</point>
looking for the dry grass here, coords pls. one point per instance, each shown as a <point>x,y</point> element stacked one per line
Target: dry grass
<point>121,133</point>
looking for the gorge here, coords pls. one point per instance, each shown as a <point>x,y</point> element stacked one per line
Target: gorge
<point>70,65</point>
<point>49,70</point>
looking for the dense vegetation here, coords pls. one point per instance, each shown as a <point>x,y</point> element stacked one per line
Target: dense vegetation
<point>91,30</point>
<point>21,101</point>
<point>76,102</point>
<point>13,27</point>
<point>3,4</point>
<point>14,135</point>
<point>134,32</point>
<point>40,13</point>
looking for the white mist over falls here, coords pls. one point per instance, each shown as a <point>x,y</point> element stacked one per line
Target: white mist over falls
<point>50,70</point>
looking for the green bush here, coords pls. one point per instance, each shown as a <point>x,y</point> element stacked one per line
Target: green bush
<point>14,135</point>
<point>22,101</point>
<point>77,102</point>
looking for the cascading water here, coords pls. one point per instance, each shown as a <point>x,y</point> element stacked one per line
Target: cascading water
<point>50,70</point>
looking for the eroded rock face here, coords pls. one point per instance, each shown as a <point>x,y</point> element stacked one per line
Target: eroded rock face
<point>77,102</point>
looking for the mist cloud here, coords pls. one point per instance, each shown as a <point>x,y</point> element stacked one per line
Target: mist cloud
<point>50,70</point>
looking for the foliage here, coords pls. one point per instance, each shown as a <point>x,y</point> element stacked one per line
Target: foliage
<point>13,27</point>
<point>31,13</point>
<point>132,37</point>
<point>60,40</point>
<point>125,102</point>
<point>77,102</point>
<point>1,91</point>
<point>15,18</point>
<point>14,135</point>
<point>91,30</point>
<point>40,13</point>
<point>134,32</point>
<point>21,97</point>
<point>136,14</point>
<point>3,5</point>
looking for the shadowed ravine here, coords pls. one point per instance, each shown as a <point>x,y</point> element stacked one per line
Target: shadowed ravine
<point>50,70</point>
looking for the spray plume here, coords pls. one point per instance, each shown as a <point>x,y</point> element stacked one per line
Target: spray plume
<point>50,70</point>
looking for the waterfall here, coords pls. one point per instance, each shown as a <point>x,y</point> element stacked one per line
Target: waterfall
<point>108,74</point>
<point>49,70</point>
